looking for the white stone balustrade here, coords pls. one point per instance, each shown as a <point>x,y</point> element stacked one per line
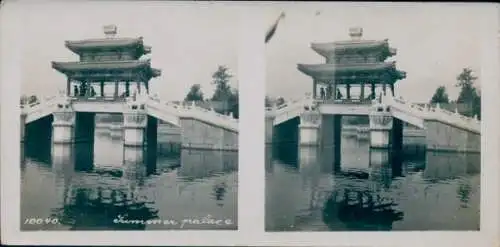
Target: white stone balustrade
<point>135,120</point>
<point>290,109</point>
<point>196,112</point>
<point>437,113</point>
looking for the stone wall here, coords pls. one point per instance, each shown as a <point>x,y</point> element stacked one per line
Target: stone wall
<point>444,137</point>
<point>201,135</point>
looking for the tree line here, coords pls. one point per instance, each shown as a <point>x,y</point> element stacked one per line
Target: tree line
<point>468,102</point>
<point>223,92</point>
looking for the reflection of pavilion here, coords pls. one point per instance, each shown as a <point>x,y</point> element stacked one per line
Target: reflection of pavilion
<point>352,199</point>
<point>93,200</point>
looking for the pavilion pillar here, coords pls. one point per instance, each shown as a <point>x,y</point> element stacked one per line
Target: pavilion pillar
<point>392,88</point>
<point>334,90</point>
<point>116,90</point>
<point>147,87</point>
<point>127,89</point>
<point>315,82</point>
<point>102,89</point>
<point>362,97</point>
<point>139,87</point>
<point>68,87</point>
<point>384,88</point>
<point>348,90</point>
<point>373,90</point>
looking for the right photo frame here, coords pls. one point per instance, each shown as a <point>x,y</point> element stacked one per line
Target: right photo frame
<point>373,119</point>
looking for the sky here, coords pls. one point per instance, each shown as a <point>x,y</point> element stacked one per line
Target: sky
<point>434,43</point>
<point>188,42</point>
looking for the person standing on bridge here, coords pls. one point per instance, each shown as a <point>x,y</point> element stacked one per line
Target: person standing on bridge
<point>329,91</point>
<point>75,90</point>
<point>322,93</point>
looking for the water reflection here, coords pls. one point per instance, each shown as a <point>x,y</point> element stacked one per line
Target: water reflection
<point>89,185</point>
<point>370,190</point>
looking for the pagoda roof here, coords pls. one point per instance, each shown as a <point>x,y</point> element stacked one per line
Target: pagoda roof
<point>65,67</point>
<point>327,49</point>
<point>331,70</point>
<point>77,46</point>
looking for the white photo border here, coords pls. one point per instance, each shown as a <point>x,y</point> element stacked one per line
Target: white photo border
<point>251,196</point>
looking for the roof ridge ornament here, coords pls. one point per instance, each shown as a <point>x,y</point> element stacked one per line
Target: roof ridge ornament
<point>356,33</point>
<point>110,31</point>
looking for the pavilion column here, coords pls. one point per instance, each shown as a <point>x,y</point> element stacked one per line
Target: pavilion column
<point>102,89</point>
<point>68,87</point>
<point>139,87</point>
<point>334,90</point>
<point>147,87</point>
<point>127,89</point>
<point>348,90</point>
<point>373,90</point>
<point>384,87</point>
<point>116,90</point>
<point>315,82</point>
<point>362,91</point>
<point>392,88</point>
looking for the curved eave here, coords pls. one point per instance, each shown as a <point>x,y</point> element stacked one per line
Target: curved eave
<point>80,46</point>
<point>155,72</point>
<point>327,49</point>
<point>99,66</point>
<point>146,49</point>
<point>332,69</point>
<point>400,75</point>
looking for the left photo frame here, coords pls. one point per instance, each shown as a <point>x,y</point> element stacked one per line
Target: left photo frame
<point>128,123</point>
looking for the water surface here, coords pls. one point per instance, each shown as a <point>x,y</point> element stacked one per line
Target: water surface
<point>369,190</point>
<point>103,185</point>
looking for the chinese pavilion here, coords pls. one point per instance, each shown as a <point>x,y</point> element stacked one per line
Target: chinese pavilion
<point>109,60</point>
<point>355,62</point>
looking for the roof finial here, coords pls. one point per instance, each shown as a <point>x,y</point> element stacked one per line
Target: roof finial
<point>356,33</point>
<point>110,30</point>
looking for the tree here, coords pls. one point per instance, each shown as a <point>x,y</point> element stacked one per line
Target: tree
<point>234,104</point>
<point>194,94</point>
<point>465,81</point>
<point>221,79</point>
<point>468,96</point>
<point>440,96</point>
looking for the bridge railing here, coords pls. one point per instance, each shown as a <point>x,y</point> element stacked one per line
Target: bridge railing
<point>201,113</point>
<point>41,102</point>
<point>438,113</point>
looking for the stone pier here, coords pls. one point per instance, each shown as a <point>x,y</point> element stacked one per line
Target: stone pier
<point>269,129</point>
<point>309,128</point>
<point>63,124</point>
<point>22,127</point>
<point>380,126</point>
<point>135,121</point>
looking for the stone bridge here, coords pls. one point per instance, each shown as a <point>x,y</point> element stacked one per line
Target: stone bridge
<point>73,120</point>
<point>315,122</point>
